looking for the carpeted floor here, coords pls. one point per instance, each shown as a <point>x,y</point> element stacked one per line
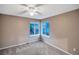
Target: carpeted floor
<point>40,48</point>
<point>35,48</point>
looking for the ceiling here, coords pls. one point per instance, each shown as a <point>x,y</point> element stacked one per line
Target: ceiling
<point>46,10</point>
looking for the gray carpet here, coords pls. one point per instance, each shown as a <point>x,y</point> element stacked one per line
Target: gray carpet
<point>35,48</point>
<point>40,48</point>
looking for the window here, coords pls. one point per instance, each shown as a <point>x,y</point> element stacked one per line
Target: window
<point>45,28</point>
<point>34,28</point>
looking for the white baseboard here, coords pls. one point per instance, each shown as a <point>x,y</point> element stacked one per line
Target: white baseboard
<point>58,48</point>
<point>12,46</point>
<point>15,45</point>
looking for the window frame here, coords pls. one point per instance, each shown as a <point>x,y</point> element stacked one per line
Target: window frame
<point>34,30</point>
<point>42,29</point>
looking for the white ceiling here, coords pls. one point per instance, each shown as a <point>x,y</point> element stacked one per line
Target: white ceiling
<point>46,10</point>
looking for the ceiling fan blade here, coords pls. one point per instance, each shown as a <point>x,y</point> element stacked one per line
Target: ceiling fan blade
<point>38,12</point>
<point>24,5</point>
<point>37,5</point>
<point>23,12</point>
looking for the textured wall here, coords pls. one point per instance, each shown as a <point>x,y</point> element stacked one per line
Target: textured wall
<point>64,31</point>
<point>14,30</point>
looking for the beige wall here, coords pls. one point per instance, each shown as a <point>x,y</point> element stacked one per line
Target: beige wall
<point>14,30</point>
<point>0,31</point>
<point>64,31</point>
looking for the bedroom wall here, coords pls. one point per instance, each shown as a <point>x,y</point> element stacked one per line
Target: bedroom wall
<point>15,30</point>
<point>0,31</point>
<point>64,31</point>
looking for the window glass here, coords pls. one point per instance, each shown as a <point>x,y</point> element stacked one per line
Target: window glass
<point>34,28</point>
<point>45,28</point>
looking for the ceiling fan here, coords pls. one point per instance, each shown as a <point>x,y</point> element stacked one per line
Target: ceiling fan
<point>32,9</point>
